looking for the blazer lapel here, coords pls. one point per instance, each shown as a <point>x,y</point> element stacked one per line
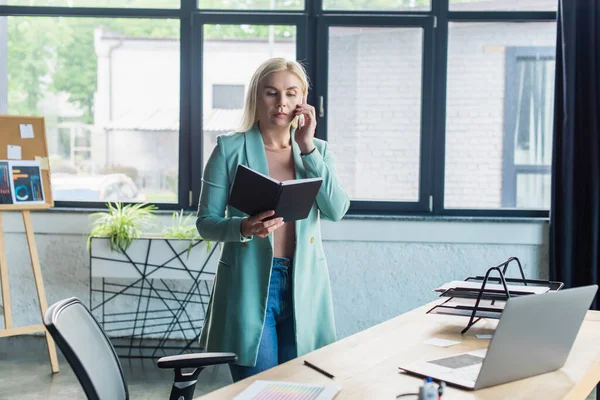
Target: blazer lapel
<point>300,174</point>
<point>256,155</point>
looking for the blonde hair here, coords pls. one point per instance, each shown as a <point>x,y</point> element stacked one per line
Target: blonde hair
<point>250,115</point>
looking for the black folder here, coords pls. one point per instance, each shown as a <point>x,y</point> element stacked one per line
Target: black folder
<point>253,193</point>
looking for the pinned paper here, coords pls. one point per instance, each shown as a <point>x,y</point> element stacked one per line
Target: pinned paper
<point>14,152</point>
<point>441,342</point>
<point>26,131</point>
<point>44,163</point>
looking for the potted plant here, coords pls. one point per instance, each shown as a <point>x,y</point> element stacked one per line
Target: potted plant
<point>183,228</point>
<point>118,236</point>
<point>122,224</point>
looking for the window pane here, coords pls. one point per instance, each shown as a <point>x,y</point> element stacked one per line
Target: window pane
<point>228,96</point>
<point>503,5</point>
<point>374,110</point>
<point>112,126</point>
<point>231,55</point>
<point>97,3</point>
<point>377,5</point>
<point>499,110</point>
<point>533,191</point>
<point>252,4</point>
<point>532,114</point>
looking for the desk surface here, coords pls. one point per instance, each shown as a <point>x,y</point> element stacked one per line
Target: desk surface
<point>365,365</point>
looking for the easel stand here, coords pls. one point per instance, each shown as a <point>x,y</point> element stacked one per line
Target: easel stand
<point>9,330</point>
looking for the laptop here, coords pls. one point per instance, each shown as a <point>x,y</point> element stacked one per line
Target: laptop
<point>534,335</point>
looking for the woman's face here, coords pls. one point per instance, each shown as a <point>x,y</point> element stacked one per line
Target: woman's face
<point>278,95</point>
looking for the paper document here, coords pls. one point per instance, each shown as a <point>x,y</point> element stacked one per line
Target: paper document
<point>27,186</point>
<point>457,301</point>
<point>492,286</point>
<point>484,336</point>
<point>26,131</point>
<point>287,390</point>
<point>464,313</point>
<point>13,152</point>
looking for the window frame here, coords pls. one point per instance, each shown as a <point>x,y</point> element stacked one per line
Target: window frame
<point>199,20</point>
<point>310,22</point>
<point>425,22</point>
<point>445,17</point>
<point>182,14</point>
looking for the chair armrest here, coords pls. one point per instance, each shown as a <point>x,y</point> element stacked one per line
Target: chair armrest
<point>196,360</point>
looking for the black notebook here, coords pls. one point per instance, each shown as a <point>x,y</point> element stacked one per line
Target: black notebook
<point>253,193</point>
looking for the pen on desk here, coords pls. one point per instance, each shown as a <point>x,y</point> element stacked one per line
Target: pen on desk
<point>327,374</point>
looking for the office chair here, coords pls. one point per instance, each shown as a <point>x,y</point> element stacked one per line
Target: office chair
<point>94,360</point>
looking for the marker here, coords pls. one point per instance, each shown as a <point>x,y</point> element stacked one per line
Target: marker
<point>327,374</point>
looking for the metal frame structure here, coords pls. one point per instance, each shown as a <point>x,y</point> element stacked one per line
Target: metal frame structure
<point>159,313</point>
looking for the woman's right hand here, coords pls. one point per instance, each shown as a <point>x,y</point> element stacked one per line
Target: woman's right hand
<point>255,226</point>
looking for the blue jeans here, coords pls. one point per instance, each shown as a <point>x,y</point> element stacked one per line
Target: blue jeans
<point>278,340</point>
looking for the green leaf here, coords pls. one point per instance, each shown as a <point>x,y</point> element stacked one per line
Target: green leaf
<point>184,229</point>
<point>122,224</point>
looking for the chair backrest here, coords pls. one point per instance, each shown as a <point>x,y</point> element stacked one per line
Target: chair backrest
<point>87,349</point>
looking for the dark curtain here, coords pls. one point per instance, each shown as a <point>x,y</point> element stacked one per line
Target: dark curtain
<point>575,208</point>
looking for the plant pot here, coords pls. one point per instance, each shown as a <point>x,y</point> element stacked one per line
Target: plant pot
<point>155,257</point>
<point>151,299</point>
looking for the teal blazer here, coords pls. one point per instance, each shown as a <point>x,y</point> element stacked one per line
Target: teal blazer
<point>236,312</point>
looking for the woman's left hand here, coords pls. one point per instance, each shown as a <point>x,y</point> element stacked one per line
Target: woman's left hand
<point>306,126</point>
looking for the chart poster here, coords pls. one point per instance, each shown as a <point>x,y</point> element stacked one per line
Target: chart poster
<point>5,186</point>
<point>26,182</point>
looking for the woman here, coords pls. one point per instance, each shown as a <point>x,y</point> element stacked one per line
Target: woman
<point>271,298</point>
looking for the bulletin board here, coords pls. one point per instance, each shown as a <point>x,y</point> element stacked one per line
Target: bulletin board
<point>24,165</point>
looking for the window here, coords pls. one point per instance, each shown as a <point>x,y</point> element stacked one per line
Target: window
<point>252,4</point>
<point>97,3</point>
<point>528,126</point>
<point>483,100</point>
<point>377,5</point>
<point>374,117</point>
<point>228,97</point>
<point>503,5</point>
<point>107,115</point>
<point>431,107</point>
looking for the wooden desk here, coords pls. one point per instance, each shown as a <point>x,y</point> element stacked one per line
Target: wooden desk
<point>365,365</point>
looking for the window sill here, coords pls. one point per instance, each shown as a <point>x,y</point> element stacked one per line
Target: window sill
<point>354,227</point>
<point>444,218</point>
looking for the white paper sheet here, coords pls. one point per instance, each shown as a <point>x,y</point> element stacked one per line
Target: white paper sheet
<point>13,152</point>
<point>287,390</point>
<point>495,286</point>
<point>26,131</point>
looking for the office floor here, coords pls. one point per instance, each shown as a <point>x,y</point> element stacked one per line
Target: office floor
<point>25,375</point>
